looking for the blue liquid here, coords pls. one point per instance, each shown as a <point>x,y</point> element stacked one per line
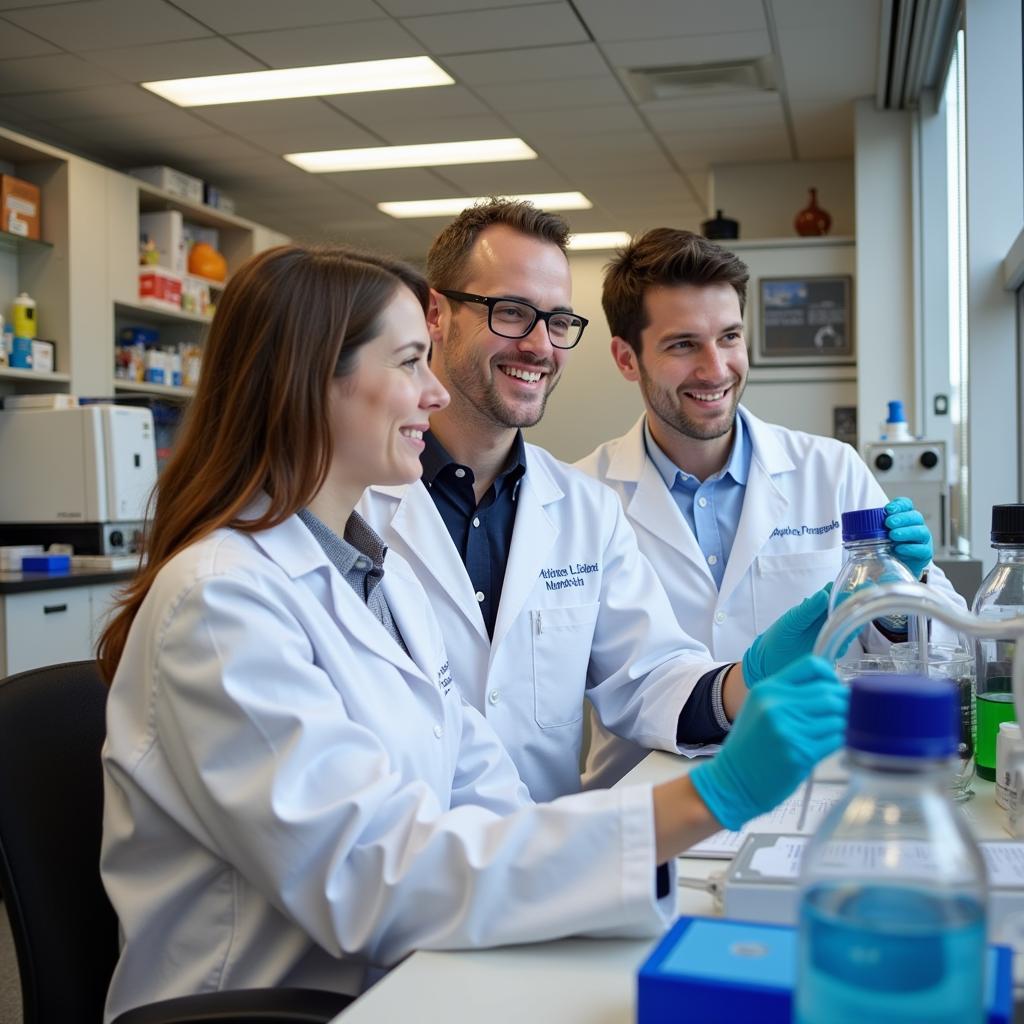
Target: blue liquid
<point>890,955</point>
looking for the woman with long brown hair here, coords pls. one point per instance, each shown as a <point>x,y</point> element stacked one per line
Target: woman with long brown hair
<point>295,793</point>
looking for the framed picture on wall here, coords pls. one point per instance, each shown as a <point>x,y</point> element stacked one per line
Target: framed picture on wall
<point>804,321</point>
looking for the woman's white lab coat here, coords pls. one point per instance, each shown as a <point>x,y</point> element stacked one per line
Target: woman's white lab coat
<point>290,799</point>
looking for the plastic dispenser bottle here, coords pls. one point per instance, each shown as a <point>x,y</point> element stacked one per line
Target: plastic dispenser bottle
<point>869,560</point>
<point>895,426</point>
<point>1000,596</point>
<point>892,902</point>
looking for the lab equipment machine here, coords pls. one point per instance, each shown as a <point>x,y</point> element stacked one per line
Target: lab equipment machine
<point>916,470</point>
<point>79,476</point>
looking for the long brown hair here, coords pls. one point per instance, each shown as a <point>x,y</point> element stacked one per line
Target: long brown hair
<point>290,320</point>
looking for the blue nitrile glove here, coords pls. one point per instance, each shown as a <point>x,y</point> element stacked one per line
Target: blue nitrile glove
<point>788,723</point>
<point>791,635</point>
<point>911,539</point>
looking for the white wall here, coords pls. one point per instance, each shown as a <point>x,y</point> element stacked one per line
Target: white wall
<point>885,266</point>
<point>766,197</point>
<point>593,403</point>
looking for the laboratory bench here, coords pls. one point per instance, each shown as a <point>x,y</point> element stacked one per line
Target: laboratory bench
<point>569,981</point>
<point>47,618</point>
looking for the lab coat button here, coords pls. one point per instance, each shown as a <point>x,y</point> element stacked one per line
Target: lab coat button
<point>438,731</point>
<point>479,595</point>
<point>494,696</point>
<point>719,617</point>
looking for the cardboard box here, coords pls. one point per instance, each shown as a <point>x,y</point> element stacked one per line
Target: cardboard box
<point>42,356</point>
<point>19,203</point>
<point>161,286</point>
<point>177,183</point>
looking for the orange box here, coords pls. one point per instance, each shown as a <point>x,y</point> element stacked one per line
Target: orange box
<point>19,203</point>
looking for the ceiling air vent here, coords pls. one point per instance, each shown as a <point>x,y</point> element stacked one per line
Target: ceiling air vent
<point>693,81</point>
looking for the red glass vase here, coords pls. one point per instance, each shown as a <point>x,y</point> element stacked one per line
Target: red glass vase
<point>812,219</point>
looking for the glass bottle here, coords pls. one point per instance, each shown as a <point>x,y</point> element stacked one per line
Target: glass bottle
<point>1000,596</point>
<point>892,903</point>
<point>869,561</point>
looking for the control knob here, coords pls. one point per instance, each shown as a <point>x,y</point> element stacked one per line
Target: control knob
<point>883,461</point>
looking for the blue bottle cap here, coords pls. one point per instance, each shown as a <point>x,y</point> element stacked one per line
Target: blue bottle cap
<point>864,524</point>
<point>903,716</point>
<point>896,413</point>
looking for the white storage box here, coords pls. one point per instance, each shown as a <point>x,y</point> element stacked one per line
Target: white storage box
<point>166,229</point>
<point>178,183</point>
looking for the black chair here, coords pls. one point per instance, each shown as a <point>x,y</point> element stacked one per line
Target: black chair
<point>52,726</point>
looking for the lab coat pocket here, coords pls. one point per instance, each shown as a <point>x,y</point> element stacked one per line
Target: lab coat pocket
<point>562,638</point>
<point>784,580</point>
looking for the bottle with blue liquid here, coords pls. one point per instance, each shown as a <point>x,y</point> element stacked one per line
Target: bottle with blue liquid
<point>892,907</point>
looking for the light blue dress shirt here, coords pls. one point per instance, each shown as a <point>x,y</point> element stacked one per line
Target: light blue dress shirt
<point>711,508</point>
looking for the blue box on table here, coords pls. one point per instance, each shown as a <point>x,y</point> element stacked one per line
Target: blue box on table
<point>720,971</point>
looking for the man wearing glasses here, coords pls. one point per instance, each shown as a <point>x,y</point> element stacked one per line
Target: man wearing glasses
<point>532,568</point>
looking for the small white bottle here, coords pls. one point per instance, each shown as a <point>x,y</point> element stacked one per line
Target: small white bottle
<point>1009,743</point>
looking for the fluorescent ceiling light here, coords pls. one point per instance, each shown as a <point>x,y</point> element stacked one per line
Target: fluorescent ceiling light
<point>287,83</point>
<point>452,207</point>
<point>434,154</point>
<point>599,240</point>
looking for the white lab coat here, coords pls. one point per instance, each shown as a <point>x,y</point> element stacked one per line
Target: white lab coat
<point>290,799</point>
<point>581,614</point>
<point>788,544</point>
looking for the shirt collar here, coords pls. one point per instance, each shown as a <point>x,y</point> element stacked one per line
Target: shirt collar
<point>737,466</point>
<point>344,552</point>
<point>434,458</point>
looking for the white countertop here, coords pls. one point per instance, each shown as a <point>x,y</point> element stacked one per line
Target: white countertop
<point>571,981</point>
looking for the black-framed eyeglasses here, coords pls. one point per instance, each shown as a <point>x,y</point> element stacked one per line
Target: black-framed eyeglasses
<point>513,318</point>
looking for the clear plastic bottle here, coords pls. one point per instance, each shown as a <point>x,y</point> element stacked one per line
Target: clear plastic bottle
<point>892,907</point>
<point>1000,596</point>
<point>869,560</point>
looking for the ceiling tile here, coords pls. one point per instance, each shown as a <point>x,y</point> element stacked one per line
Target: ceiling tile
<point>721,120</point>
<point>652,19</point>
<point>410,8</point>
<point>6,5</point>
<point>258,173</point>
<point>574,92</point>
<point>174,60</point>
<point>16,42</point>
<point>59,71</point>
<point>209,154</point>
<point>380,39</point>
<point>582,121</point>
<point>812,71</point>
<point>104,100</point>
<point>272,116</point>
<point>445,129</point>
<point>500,29</point>
<point>105,23</point>
<point>824,13</point>
<point>402,183</point>
<point>685,50</point>
<point>230,16</point>
<point>375,108</point>
<point>540,64</point>
<point>343,135</point>
<point>172,124</point>
<point>521,176</point>
<point>738,148</point>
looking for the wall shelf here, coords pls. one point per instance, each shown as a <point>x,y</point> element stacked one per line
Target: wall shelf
<point>178,393</point>
<point>33,376</point>
<point>10,242</point>
<point>158,313</point>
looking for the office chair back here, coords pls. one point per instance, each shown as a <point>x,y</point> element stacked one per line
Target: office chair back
<point>52,727</point>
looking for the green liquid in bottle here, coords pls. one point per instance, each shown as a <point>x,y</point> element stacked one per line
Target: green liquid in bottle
<point>991,710</point>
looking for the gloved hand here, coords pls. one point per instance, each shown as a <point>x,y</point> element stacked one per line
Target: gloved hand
<point>791,635</point>
<point>911,539</point>
<point>789,722</point>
